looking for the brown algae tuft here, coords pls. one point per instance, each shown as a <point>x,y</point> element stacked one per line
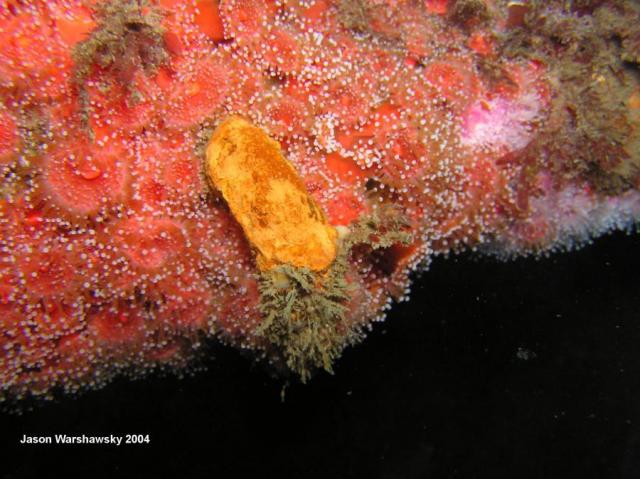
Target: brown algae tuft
<point>128,38</point>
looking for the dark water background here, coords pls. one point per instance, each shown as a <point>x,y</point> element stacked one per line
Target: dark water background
<point>526,369</point>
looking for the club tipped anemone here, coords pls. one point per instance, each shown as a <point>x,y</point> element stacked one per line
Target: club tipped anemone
<point>81,180</point>
<point>31,50</point>
<point>201,87</point>
<point>149,243</point>
<point>48,271</point>
<point>165,170</point>
<point>209,20</point>
<point>118,326</point>
<point>245,21</point>
<point>57,319</point>
<point>282,53</point>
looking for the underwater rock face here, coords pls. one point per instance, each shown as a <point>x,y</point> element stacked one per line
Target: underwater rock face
<point>135,224</point>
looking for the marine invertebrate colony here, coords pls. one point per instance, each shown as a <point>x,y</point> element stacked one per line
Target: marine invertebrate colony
<point>140,142</point>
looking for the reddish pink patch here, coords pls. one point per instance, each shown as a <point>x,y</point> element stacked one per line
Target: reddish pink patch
<point>118,324</point>
<point>47,272</point>
<point>24,38</point>
<point>82,181</point>
<point>346,168</point>
<point>74,351</point>
<point>288,116</point>
<point>481,44</point>
<point>173,43</point>
<point>403,162</point>
<point>58,318</point>
<point>485,181</point>
<point>74,24</point>
<point>245,20</point>
<point>455,82</point>
<point>315,13</point>
<point>240,315</point>
<point>208,19</point>
<point>10,311</point>
<point>349,137</point>
<point>201,90</point>
<point>534,231</point>
<point>438,7</point>
<point>343,208</point>
<point>182,174</point>
<point>187,301</point>
<point>350,105</point>
<point>282,52</point>
<point>165,169</point>
<point>118,110</point>
<point>150,243</point>
<point>8,137</point>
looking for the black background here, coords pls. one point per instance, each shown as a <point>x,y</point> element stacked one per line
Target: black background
<point>524,369</point>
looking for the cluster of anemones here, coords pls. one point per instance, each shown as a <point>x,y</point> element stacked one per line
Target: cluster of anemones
<point>114,251</point>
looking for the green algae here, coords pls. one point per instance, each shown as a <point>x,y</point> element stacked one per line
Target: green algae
<point>354,15</point>
<point>590,50</point>
<point>469,13</point>
<point>34,132</point>
<point>305,312</point>
<point>302,317</point>
<point>382,229</point>
<point>494,74</point>
<point>128,38</point>
<point>129,35</point>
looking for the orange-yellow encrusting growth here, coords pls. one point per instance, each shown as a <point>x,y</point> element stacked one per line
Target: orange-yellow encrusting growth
<point>268,198</point>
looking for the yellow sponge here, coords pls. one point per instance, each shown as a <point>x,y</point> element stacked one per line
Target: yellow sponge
<point>268,198</point>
